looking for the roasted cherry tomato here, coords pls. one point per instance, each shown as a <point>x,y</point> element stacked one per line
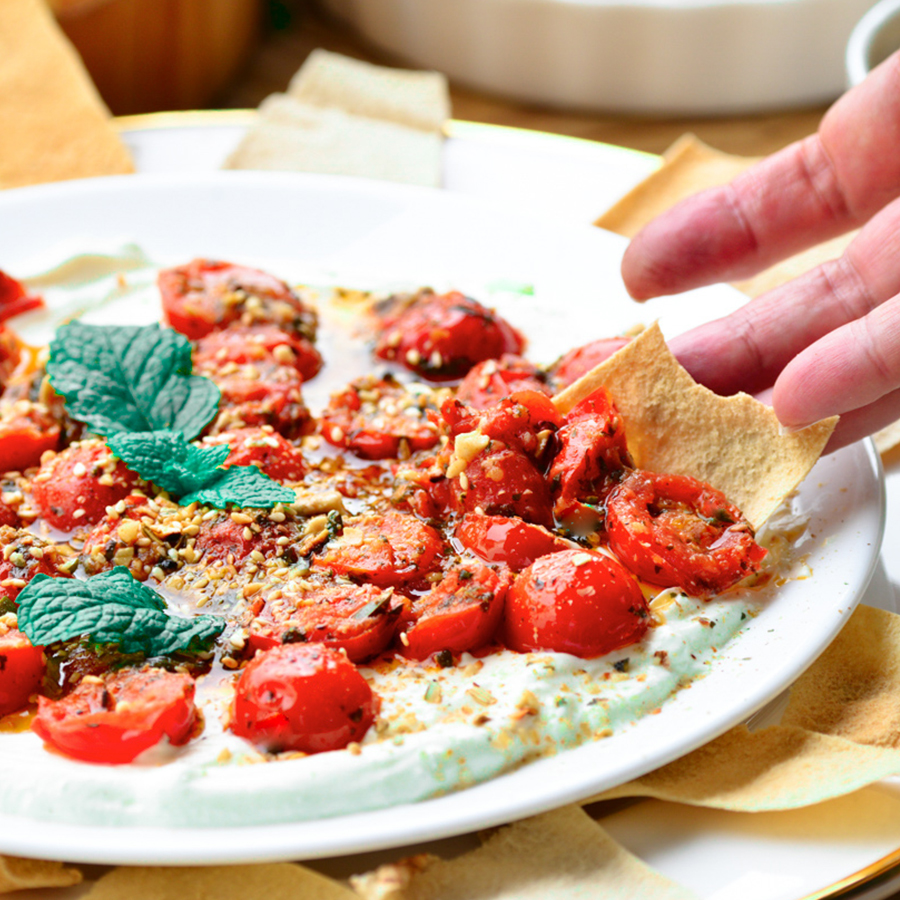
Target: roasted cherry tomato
<point>262,447</point>
<point>21,670</point>
<point>262,345</point>
<point>74,487</point>
<point>460,613</point>
<point>569,368</point>
<point>592,458</point>
<point>356,618</point>
<point>443,336</point>
<point>204,295</point>
<point>675,531</point>
<point>500,539</point>
<point>230,537</point>
<point>302,697</point>
<point>494,379</point>
<point>15,299</point>
<point>388,550</point>
<point>115,718</point>
<point>27,431</point>
<point>575,602</point>
<point>24,556</point>
<point>376,417</point>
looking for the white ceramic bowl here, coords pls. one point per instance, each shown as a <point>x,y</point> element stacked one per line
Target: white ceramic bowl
<point>693,57</point>
<point>873,40</point>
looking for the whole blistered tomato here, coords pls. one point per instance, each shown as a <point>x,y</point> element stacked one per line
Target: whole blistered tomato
<point>74,487</point>
<point>502,539</point>
<point>263,447</point>
<point>577,602</point>
<point>675,531</point>
<point>375,417</point>
<point>443,336</point>
<point>302,697</point>
<point>460,613</point>
<point>581,360</point>
<point>494,379</point>
<point>592,458</point>
<point>262,344</point>
<point>21,670</point>
<point>388,550</point>
<point>114,718</point>
<point>356,618</point>
<point>204,295</point>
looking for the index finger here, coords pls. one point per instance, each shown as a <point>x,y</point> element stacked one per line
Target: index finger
<point>813,190</point>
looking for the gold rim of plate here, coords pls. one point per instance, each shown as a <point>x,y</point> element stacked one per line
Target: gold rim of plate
<point>457,128</point>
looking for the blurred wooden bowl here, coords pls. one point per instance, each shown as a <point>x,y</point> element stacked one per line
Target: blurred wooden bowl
<point>150,55</point>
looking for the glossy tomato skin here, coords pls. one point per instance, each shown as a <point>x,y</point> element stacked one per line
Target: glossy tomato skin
<point>356,618</point>
<point>461,613</point>
<point>675,531</point>
<point>569,368</point>
<point>74,487</point>
<point>442,336</point>
<point>205,295</point>
<point>263,447</point>
<point>375,417</point>
<point>15,299</point>
<point>22,668</point>
<point>509,540</point>
<point>592,458</point>
<point>388,550</point>
<point>302,697</point>
<point>25,436</point>
<point>115,718</point>
<point>495,379</point>
<point>577,602</point>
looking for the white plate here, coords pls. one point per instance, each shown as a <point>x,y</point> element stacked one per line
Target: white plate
<point>375,232</point>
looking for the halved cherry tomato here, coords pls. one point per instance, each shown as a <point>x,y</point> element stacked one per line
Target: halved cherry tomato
<point>74,487</point>
<point>492,380</point>
<point>222,538</point>
<point>27,431</point>
<point>575,602</point>
<point>675,531</point>
<point>302,697</point>
<point>357,618</point>
<point>115,718</point>
<point>373,416</point>
<point>460,613</point>
<point>388,550</point>
<point>15,299</point>
<point>24,556</point>
<point>261,344</point>
<point>592,458</point>
<point>569,368</point>
<point>262,447</point>
<point>205,294</point>
<point>500,539</point>
<point>21,670</point>
<point>443,336</point>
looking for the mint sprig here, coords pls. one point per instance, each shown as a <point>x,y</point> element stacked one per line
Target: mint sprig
<point>110,608</point>
<point>193,473</point>
<point>129,378</point>
<point>135,386</point>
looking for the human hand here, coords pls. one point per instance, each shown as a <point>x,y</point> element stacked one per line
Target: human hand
<point>825,343</point>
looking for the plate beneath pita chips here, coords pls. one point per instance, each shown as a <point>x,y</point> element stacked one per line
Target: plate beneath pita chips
<point>561,286</point>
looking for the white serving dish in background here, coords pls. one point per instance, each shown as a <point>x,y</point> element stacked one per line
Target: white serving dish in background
<point>873,40</point>
<point>698,57</point>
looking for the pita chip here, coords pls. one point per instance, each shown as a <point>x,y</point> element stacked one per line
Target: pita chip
<point>679,427</point>
<point>563,854</point>
<point>18,874</point>
<point>54,124</point>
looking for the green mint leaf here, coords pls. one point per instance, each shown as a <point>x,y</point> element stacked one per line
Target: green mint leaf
<point>128,378</point>
<point>170,461</point>
<point>192,473</point>
<point>110,608</point>
<point>241,486</point>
